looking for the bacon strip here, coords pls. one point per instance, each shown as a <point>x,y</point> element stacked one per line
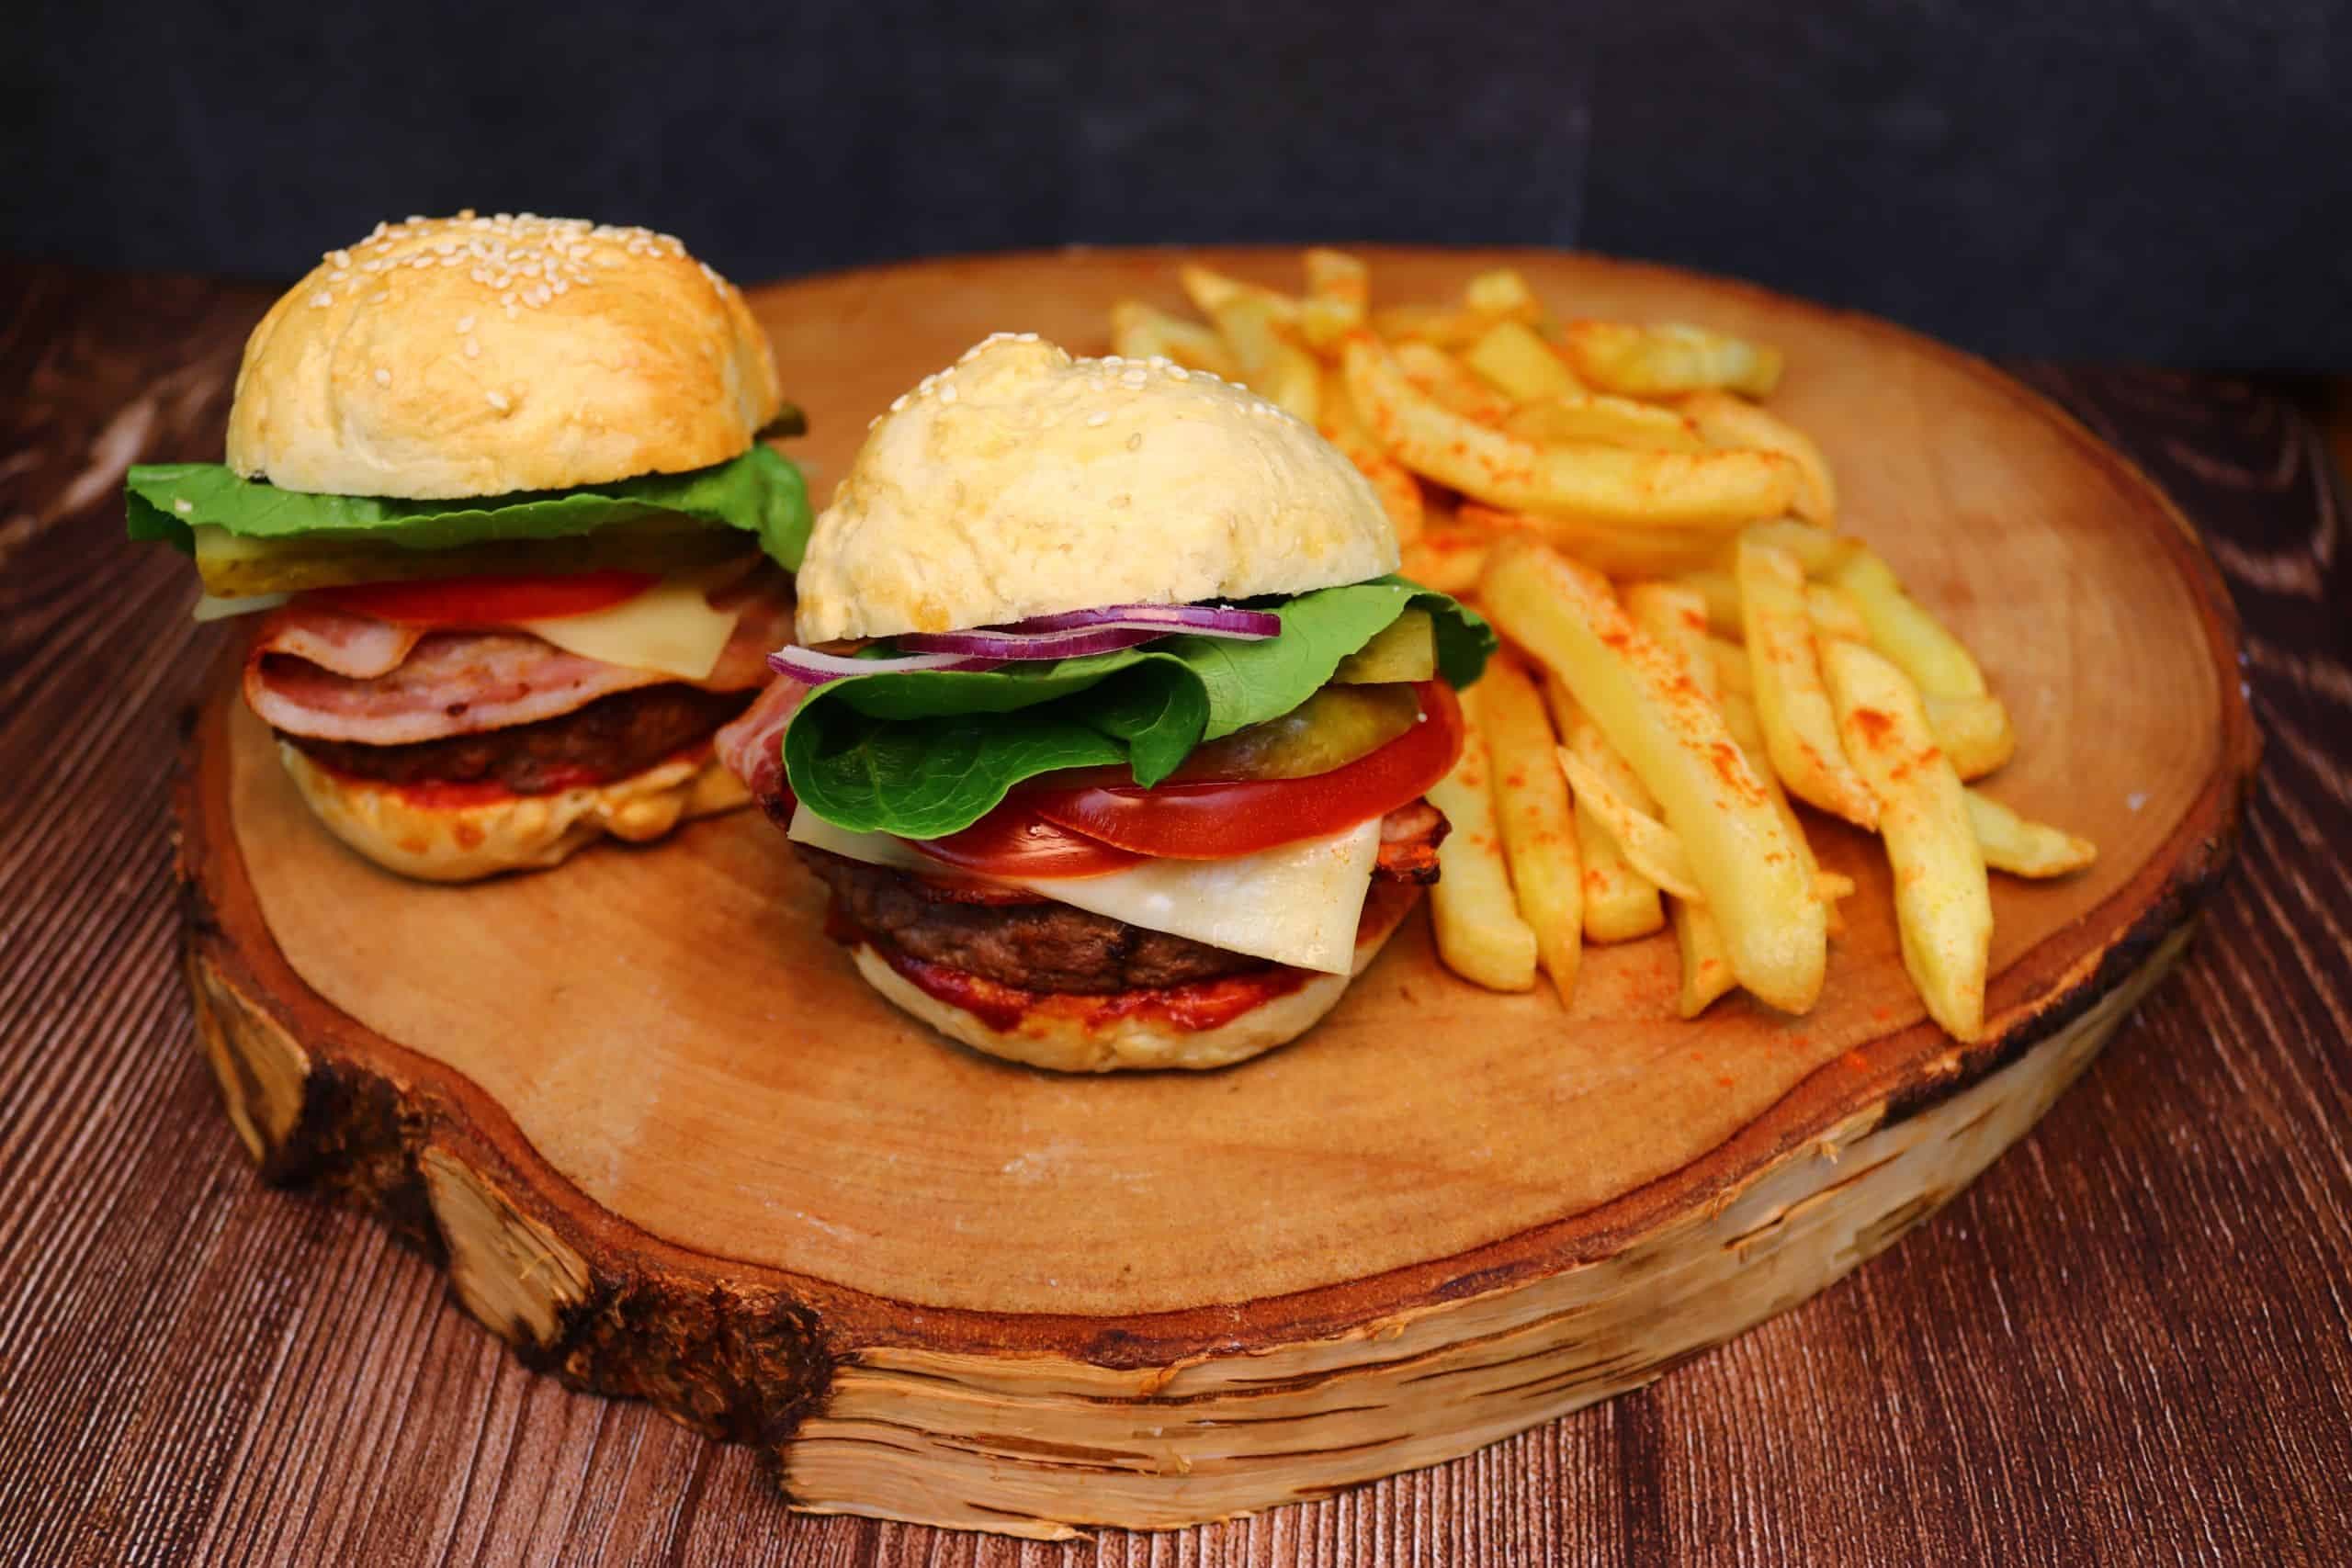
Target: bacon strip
<point>1409,840</point>
<point>752,746</point>
<point>334,676</point>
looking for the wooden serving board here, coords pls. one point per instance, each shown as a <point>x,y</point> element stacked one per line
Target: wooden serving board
<point>671,1148</point>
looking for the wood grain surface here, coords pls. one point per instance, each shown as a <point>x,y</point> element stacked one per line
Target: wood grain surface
<point>2128,1342</point>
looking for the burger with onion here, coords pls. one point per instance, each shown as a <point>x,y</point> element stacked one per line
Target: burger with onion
<point>1110,726</point>
<point>513,552</point>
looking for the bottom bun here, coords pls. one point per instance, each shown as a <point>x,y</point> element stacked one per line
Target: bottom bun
<point>1072,1042</point>
<point>522,833</point>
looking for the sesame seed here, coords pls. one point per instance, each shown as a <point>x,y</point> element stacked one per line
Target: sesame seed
<point>1135,442</point>
<point>946,394</point>
<point>1097,419</point>
<point>322,298</point>
<point>473,347</point>
<point>465,324</point>
<point>183,505</point>
<point>378,296</point>
<point>383,377</point>
<point>898,403</point>
<point>497,400</point>
<point>1178,372</point>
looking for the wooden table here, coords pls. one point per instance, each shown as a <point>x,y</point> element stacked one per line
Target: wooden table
<point>2130,1341</point>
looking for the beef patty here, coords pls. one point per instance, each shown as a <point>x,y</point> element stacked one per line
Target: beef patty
<point>609,738</point>
<point>1023,939</point>
<point>1015,939</point>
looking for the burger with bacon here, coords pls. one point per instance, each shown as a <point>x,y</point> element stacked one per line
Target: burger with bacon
<point>513,551</point>
<point>1110,726</point>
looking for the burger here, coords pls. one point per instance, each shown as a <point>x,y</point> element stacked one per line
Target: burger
<point>1110,725</point>
<point>497,509</point>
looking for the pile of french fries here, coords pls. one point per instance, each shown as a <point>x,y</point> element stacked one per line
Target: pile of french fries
<point>1693,645</point>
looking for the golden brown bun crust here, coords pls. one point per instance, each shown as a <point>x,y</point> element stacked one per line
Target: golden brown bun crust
<point>1021,482</point>
<point>1064,1045</point>
<point>467,843</point>
<point>480,355</point>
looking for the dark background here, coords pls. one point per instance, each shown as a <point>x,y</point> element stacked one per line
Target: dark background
<point>2090,178</point>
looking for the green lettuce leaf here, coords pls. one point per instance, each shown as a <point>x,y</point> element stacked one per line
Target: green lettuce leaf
<point>925,754</point>
<point>760,493</point>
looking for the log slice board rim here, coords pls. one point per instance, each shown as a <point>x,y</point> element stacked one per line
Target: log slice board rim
<point>751,1352</point>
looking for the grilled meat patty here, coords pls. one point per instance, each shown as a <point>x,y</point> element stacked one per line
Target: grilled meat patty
<point>1029,941</point>
<point>609,738</point>
<point>1024,939</point>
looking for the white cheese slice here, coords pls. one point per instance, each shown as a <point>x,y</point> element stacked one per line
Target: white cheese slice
<point>1296,904</point>
<point>670,627</point>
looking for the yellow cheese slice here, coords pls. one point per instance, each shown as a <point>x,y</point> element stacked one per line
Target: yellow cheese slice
<point>1296,904</point>
<point>670,627</point>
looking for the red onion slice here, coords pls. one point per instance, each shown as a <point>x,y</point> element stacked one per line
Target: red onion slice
<point>811,668</point>
<point>1071,644</point>
<point>1194,620</point>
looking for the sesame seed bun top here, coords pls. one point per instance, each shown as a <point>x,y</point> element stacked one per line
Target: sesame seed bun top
<point>473,356</point>
<point>1021,483</point>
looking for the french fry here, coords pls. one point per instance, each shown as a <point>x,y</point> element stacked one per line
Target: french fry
<point>1832,613</point>
<point>1399,492</point>
<point>1651,847</point>
<point>1271,365</point>
<point>1519,365</point>
<point>1139,331</point>
<point>1904,632</point>
<point>1447,328</point>
<point>1733,422</point>
<point>1970,723</point>
<point>1601,483</point>
<point>1338,288</point>
<point>2023,847</point>
<point>1668,359</point>
<point>1943,905</point>
<point>1448,557</point>
<point>1502,295</point>
<point>1775,932</point>
<point>1479,932</point>
<point>1800,728</point>
<point>1532,809</point>
<point>1441,376</point>
<point>1730,660</point>
<point>1675,617</point>
<point>1619,903</point>
<point>1615,552</point>
<point>1974,732</point>
<point>1720,592</point>
<point>1818,550</point>
<point>1569,417</point>
<point>1707,963</point>
<point>1740,717</point>
<point>1209,290</point>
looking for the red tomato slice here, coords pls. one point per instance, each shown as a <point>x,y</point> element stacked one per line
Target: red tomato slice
<point>486,601</point>
<point>1013,841</point>
<point>1220,820</point>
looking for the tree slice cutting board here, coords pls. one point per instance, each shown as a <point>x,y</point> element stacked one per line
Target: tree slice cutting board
<point>670,1147</point>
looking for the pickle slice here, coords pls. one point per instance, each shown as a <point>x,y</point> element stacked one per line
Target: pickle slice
<point>1330,730</point>
<point>1406,651</point>
<point>233,566</point>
